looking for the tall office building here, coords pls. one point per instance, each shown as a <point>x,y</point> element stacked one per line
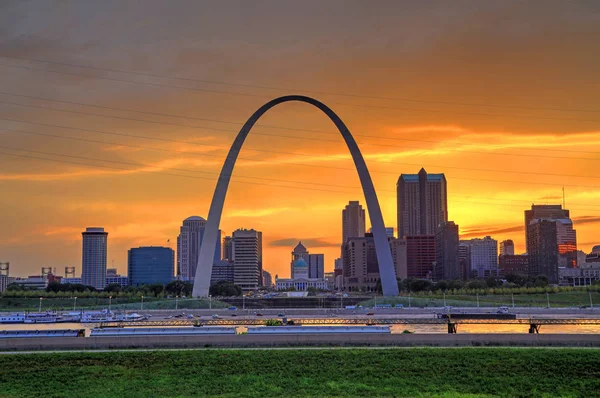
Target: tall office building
<point>188,247</point>
<point>542,211</point>
<point>267,279</point>
<point>389,231</point>
<point>247,259</point>
<point>507,247</point>
<point>149,265</point>
<point>464,259</point>
<point>353,221</point>
<point>422,203</point>
<point>93,262</point>
<point>483,257</point>
<point>316,266</point>
<point>447,266</point>
<point>222,271</point>
<point>227,248</point>
<point>552,243</point>
<point>420,256</point>
<point>360,266</point>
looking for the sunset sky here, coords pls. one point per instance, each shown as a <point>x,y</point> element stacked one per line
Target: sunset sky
<point>119,114</point>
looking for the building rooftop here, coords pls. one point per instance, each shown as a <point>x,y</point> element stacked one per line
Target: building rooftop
<point>195,218</point>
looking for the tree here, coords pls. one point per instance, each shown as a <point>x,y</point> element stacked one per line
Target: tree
<point>442,285</point>
<point>225,288</point>
<point>113,288</point>
<point>419,285</point>
<point>179,288</point>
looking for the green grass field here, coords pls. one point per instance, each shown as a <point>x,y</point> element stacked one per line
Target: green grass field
<point>562,299</point>
<point>459,372</point>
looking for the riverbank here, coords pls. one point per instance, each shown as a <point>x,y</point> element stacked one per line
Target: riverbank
<point>266,373</point>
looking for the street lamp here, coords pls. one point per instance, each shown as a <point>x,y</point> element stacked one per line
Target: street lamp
<point>176,301</point>
<point>40,306</point>
<point>209,302</point>
<point>74,303</point>
<point>109,303</point>
<point>142,307</point>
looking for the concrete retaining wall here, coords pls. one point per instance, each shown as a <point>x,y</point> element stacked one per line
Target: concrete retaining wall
<point>401,340</point>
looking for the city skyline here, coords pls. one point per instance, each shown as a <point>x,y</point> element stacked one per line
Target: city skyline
<point>483,130</point>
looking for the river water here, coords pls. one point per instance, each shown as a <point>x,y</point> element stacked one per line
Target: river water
<point>399,328</point>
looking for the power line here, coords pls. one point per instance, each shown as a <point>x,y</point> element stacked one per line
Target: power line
<point>266,161</point>
<point>230,122</point>
<point>487,153</point>
<point>362,106</point>
<point>350,95</point>
<point>202,178</point>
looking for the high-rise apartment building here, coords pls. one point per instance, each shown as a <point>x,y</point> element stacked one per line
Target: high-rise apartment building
<point>149,265</point>
<point>543,211</point>
<point>353,221</point>
<point>188,247</point>
<point>247,259</point>
<point>93,262</point>
<point>422,203</point>
<point>507,247</point>
<point>447,266</point>
<point>483,257</point>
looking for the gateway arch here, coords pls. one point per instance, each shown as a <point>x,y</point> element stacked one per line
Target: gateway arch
<point>209,240</point>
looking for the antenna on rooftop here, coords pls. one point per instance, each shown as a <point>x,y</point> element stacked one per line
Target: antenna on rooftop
<point>564,206</point>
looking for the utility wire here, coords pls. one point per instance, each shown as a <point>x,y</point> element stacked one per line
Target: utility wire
<point>287,163</point>
<point>205,178</point>
<point>350,95</point>
<point>240,123</point>
<point>363,106</point>
<point>487,153</point>
<point>280,152</point>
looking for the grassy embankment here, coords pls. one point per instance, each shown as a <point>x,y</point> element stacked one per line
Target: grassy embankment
<point>339,372</point>
<point>118,303</point>
<point>561,299</point>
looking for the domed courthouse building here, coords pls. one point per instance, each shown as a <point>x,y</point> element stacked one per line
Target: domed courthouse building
<point>301,279</point>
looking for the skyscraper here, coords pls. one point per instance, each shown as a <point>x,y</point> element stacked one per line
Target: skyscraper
<point>552,244</point>
<point>247,258</point>
<point>227,248</point>
<point>543,249</point>
<point>422,203</point>
<point>148,265</point>
<point>353,221</point>
<point>543,211</point>
<point>507,247</point>
<point>420,256</point>
<point>316,266</point>
<point>93,262</point>
<point>188,247</point>
<point>447,266</point>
